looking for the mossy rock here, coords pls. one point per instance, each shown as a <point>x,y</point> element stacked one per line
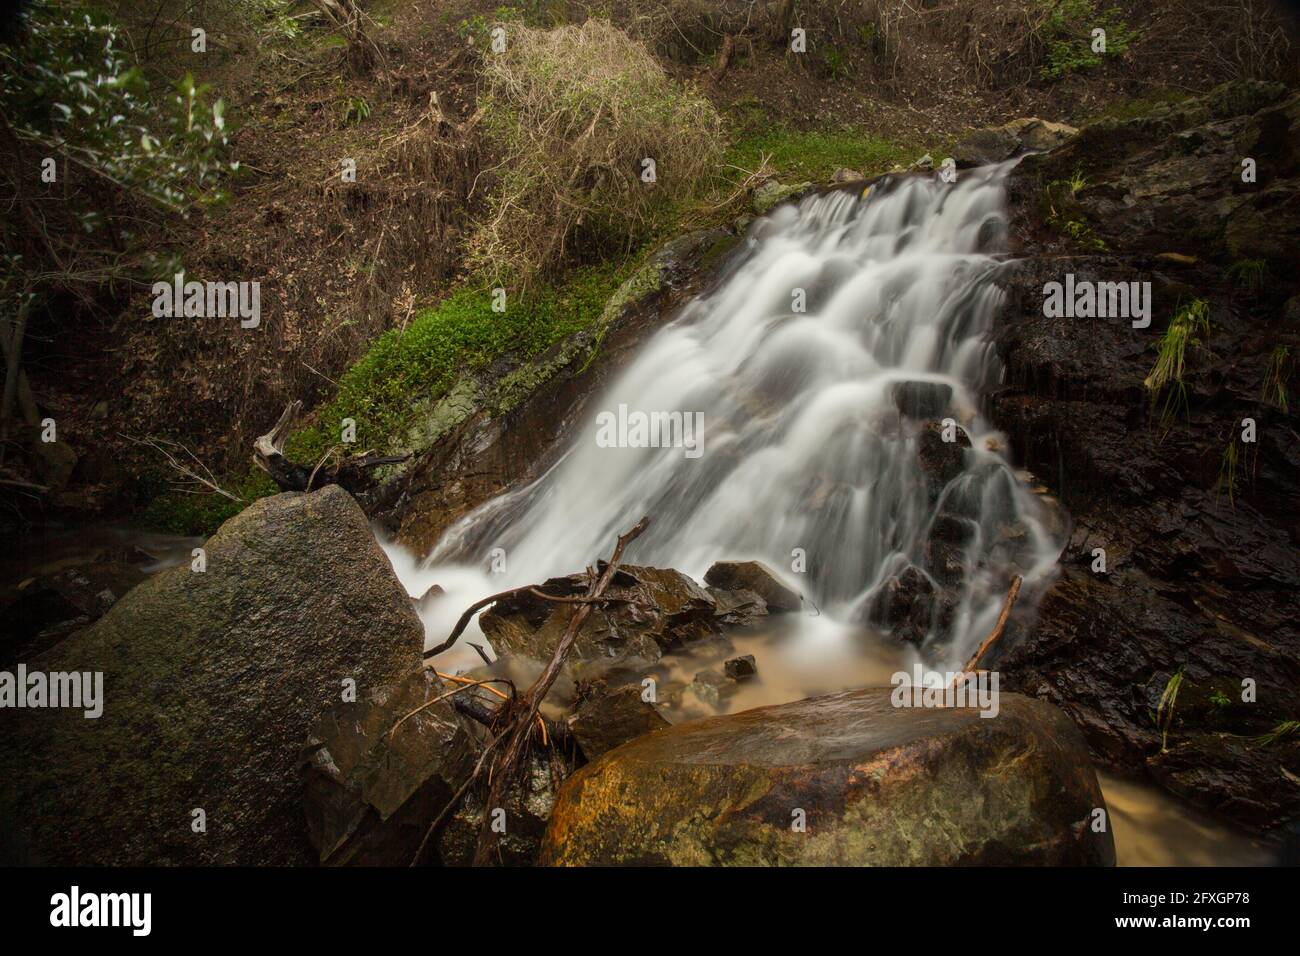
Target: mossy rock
<point>844,780</point>
<point>212,681</point>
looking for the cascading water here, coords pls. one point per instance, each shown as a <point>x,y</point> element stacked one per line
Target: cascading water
<point>807,456</point>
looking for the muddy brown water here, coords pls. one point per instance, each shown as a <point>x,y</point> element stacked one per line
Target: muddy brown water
<point>1151,827</point>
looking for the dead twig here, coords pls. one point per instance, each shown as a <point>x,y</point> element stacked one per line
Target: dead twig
<point>519,726</point>
<point>994,634</point>
<point>499,759</point>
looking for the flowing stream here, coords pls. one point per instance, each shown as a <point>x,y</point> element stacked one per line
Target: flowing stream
<point>803,459</point>
<point>810,460</point>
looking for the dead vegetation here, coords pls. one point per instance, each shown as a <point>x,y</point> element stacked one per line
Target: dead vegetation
<point>512,726</point>
<point>594,142</point>
<point>340,258</point>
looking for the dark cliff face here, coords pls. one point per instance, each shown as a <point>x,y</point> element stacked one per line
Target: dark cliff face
<point>1199,527</point>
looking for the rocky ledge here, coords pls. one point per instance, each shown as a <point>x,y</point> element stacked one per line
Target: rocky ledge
<point>1182,570</point>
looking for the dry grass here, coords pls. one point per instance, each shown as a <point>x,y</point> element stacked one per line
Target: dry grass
<point>572,114</point>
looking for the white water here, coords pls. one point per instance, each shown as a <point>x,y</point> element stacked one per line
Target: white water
<point>803,445</point>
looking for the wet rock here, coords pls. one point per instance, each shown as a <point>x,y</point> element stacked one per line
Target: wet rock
<point>1189,579</point>
<point>528,806</point>
<point>1236,777</point>
<point>995,144</point>
<point>922,399</point>
<point>941,461</point>
<point>909,605</point>
<point>756,577</point>
<point>741,668</point>
<point>738,608</point>
<point>370,794</point>
<point>429,597</point>
<point>1266,226</point>
<point>772,193</point>
<point>875,784</point>
<point>654,610</point>
<point>609,718</point>
<point>41,611</point>
<point>212,682</point>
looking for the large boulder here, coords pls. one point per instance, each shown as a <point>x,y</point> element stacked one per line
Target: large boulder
<point>873,784</point>
<point>212,681</point>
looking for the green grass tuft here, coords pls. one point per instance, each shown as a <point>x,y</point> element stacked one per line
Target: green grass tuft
<point>1276,379</point>
<point>1166,376</point>
<point>814,156</point>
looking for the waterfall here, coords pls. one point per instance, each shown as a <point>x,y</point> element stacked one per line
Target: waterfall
<point>810,453</point>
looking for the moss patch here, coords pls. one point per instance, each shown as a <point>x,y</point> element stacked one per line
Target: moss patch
<point>393,392</point>
<point>177,512</point>
<point>816,155</point>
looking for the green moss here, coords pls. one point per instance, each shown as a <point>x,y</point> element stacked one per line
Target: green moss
<point>177,512</point>
<point>392,390</point>
<point>1137,107</point>
<point>815,155</point>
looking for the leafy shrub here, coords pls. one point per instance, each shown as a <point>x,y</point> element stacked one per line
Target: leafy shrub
<point>572,113</point>
<point>1068,40</point>
<point>72,100</point>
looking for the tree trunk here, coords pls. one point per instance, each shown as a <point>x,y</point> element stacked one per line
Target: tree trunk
<point>13,351</point>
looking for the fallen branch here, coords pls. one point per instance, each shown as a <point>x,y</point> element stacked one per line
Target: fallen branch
<point>351,473</point>
<point>519,724</point>
<point>206,478</point>
<point>994,634</point>
<point>499,760</point>
<point>463,621</point>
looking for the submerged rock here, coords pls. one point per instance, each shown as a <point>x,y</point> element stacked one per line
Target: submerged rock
<point>741,668</point>
<point>908,605</point>
<point>845,780</point>
<point>941,461</point>
<point>212,681</point>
